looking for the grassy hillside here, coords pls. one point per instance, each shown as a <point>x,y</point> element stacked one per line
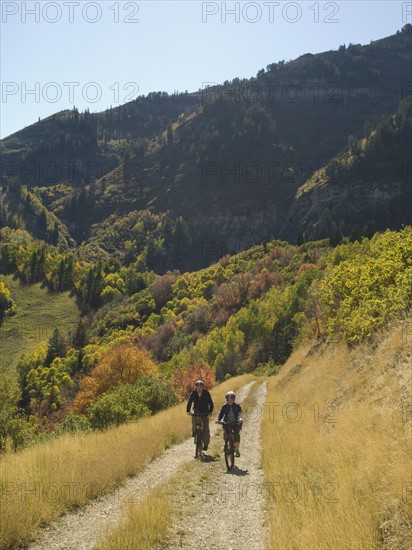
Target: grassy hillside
<point>337,446</point>
<point>39,311</point>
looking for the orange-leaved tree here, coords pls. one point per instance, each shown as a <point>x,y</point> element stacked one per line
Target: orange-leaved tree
<point>122,364</point>
<point>184,379</point>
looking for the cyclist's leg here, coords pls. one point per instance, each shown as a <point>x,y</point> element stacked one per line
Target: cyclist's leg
<point>236,437</point>
<point>193,426</point>
<point>206,431</point>
<point>224,435</point>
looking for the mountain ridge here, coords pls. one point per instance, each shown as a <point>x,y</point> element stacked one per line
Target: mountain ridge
<point>228,159</point>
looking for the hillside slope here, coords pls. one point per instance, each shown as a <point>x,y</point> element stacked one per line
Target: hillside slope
<point>39,312</point>
<point>338,445</point>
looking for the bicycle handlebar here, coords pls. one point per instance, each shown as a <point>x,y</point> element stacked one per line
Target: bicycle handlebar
<point>201,414</point>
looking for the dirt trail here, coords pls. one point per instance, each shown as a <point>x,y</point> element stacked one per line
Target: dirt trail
<point>225,509</point>
<point>82,529</point>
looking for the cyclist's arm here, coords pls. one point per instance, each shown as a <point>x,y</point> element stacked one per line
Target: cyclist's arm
<point>211,405</point>
<point>189,403</point>
<point>221,413</point>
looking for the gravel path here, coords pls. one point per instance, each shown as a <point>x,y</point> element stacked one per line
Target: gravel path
<point>81,530</point>
<point>226,509</point>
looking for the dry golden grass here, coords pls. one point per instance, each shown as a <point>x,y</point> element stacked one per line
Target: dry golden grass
<point>148,524</point>
<point>339,475</point>
<point>42,483</point>
<point>145,525</point>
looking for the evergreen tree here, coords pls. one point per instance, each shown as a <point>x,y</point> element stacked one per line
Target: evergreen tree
<point>370,230</point>
<point>55,234</point>
<point>300,239</point>
<point>355,235</point>
<point>94,287</point>
<point>335,237</point>
<point>3,215</point>
<point>56,347</point>
<point>67,281</point>
<point>43,220</point>
<point>41,261</point>
<point>61,275</point>
<point>33,267</point>
<point>80,360</point>
<point>5,257</point>
<point>169,135</point>
<point>79,337</point>
<point>310,233</point>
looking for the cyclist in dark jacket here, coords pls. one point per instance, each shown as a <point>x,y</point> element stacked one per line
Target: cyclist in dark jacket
<point>202,404</point>
<point>231,413</point>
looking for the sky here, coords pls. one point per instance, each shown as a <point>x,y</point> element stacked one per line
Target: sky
<point>93,55</point>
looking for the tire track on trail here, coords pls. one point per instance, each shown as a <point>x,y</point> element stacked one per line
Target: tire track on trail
<point>225,509</point>
<point>83,528</point>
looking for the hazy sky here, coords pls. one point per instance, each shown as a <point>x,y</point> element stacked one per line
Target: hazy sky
<point>96,54</point>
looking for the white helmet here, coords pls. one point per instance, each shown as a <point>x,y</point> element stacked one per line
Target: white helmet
<point>230,394</point>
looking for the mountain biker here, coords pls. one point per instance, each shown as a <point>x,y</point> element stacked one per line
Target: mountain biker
<point>202,404</point>
<point>231,413</point>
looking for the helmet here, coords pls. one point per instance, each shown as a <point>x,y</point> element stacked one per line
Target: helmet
<point>230,394</point>
<point>199,383</point>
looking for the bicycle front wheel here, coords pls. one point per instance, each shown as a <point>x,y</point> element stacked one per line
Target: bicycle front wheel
<point>199,444</point>
<point>229,453</point>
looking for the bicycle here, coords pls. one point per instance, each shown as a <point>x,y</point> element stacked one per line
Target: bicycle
<point>229,449</point>
<point>198,435</point>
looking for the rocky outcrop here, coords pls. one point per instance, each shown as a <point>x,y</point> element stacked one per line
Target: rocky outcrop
<point>387,203</point>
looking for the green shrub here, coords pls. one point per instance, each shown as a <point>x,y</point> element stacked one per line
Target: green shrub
<point>6,303</point>
<point>130,402</point>
<point>365,285</point>
<point>116,407</point>
<point>15,431</point>
<point>155,394</point>
<point>74,423</point>
<point>267,369</point>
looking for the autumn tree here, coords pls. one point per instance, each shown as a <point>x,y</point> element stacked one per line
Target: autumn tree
<point>122,364</point>
<point>161,289</point>
<point>184,379</point>
<point>159,339</point>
